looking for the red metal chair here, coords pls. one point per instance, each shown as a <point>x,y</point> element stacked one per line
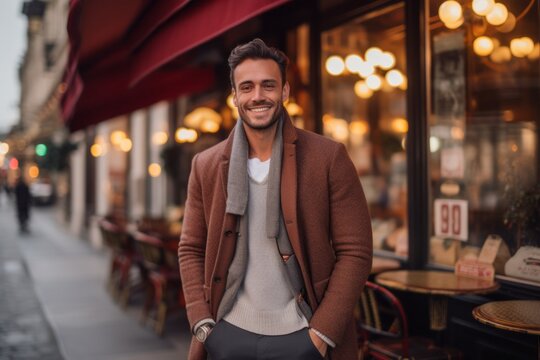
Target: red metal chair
<point>164,291</point>
<point>384,333</point>
<point>123,257</point>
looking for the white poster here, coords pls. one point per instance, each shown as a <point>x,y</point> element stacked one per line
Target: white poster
<point>451,219</point>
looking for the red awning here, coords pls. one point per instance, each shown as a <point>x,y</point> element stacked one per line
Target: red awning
<point>122,52</point>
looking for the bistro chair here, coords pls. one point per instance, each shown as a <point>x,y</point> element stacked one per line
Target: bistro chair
<point>163,287</point>
<point>383,330</point>
<point>123,257</point>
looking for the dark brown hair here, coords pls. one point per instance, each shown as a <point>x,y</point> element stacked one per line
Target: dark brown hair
<point>257,49</point>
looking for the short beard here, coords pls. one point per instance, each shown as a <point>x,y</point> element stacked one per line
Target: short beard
<point>274,120</point>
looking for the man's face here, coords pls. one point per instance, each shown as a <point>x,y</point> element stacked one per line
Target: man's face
<point>259,92</point>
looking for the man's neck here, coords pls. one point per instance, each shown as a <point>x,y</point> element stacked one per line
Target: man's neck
<point>260,141</point>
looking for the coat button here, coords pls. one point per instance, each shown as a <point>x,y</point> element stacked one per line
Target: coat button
<point>217,279</point>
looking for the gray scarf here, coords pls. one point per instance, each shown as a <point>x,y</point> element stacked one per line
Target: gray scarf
<point>237,184</point>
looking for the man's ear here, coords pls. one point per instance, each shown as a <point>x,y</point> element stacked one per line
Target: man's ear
<point>235,102</point>
<point>285,93</point>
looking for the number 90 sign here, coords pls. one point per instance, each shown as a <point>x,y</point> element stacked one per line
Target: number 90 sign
<point>451,219</point>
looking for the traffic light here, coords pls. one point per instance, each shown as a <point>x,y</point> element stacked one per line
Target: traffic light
<point>41,149</point>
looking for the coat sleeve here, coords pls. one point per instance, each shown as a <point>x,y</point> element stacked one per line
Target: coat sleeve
<point>191,250</point>
<point>351,236</point>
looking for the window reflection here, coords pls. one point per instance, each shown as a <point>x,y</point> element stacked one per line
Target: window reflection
<point>484,122</point>
<point>364,107</point>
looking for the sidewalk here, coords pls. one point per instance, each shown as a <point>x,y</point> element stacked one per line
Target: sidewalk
<point>69,277</point>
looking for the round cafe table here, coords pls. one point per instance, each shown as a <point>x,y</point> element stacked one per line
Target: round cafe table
<point>438,285</point>
<point>513,315</point>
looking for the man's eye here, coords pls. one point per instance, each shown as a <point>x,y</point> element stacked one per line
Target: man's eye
<point>245,88</point>
<point>269,86</point>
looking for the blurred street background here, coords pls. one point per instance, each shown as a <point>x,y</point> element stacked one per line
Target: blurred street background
<point>104,104</point>
<point>54,304</point>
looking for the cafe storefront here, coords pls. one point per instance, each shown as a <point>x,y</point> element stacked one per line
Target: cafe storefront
<point>437,104</point>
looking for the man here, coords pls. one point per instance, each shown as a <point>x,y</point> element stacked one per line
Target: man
<point>23,200</point>
<point>276,240</point>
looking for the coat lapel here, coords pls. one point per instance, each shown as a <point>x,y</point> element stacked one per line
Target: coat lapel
<point>289,194</point>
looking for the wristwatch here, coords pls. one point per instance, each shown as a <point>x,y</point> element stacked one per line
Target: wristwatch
<point>202,332</point>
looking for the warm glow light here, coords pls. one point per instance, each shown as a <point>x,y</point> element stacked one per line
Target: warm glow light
<point>404,84</point>
<point>454,24</point>
<point>335,65</point>
<point>154,170</point>
<point>362,90</point>
<point>200,117</point>
<point>457,133</point>
<point>450,11</point>
<point>374,56</point>
<point>483,46</point>
<point>337,129</point>
<point>160,138</point>
<point>374,82</point>
<point>388,60</point>
<point>358,128</point>
<point>509,24</point>
<point>366,69</point>
<point>535,54</point>
<point>117,136</point>
<point>96,150</point>
<point>399,125</point>
<point>501,54</point>
<point>482,7</point>
<point>209,126</point>
<point>353,63</point>
<point>521,47</point>
<point>4,148</point>
<point>183,135</point>
<point>230,101</point>
<point>394,78</point>
<point>498,15</point>
<point>33,171</point>
<point>434,144</point>
<point>125,145</point>
<point>294,109</point>
<point>514,148</point>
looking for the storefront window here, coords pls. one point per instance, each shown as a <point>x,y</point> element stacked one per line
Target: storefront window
<point>364,107</point>
<point>483,129</point>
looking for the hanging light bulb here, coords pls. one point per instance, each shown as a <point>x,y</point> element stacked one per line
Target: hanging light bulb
<point>450,11</point>
<point>482,7</point>
<point>374,82</point>
<point>394,78</point>
<point>498,15</point>
<point>455,24</point>
<point>335,65</point>
<point>535,54</point>
<point>353,63</point>
<point>508,25</point>
<point>521,47</point>
<point>388,60</point>
<point>501,54</point>
<point>366,69</point>
<point>483,46</point>
<point>373,55</point>
<point>362,90</point>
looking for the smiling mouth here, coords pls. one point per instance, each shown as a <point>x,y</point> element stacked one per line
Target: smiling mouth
<point>260,109</point>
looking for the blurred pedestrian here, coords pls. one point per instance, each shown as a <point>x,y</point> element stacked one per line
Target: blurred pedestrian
<point>23,200</point>
<point>276,243</point>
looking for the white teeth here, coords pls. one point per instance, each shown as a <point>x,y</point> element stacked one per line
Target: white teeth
<point>259,109</point>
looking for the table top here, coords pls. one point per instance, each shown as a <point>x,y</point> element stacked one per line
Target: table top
<point>382,264</point>
<point>434,282</point>
<point>514,315</point>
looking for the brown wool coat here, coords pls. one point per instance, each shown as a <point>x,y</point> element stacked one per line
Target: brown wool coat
<point>327,221</point>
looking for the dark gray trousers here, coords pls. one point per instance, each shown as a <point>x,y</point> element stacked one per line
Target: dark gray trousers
<point>229,342</point>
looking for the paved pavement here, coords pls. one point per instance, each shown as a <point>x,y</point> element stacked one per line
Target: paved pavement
<point>53,302</point>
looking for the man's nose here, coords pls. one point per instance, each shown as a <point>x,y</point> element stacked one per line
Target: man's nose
<point>258,93</point>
